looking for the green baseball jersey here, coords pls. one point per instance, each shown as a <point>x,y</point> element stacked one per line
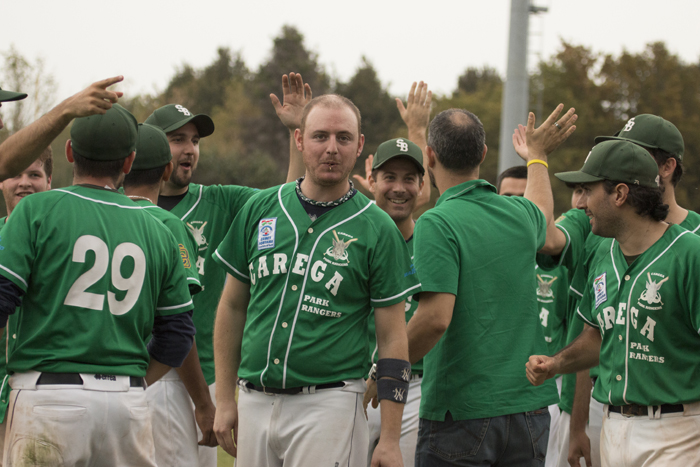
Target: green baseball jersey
<point>481,248</point>
<point>95,269</point>
<point>411,305</point>
<point>312,285</point>
<point>552,291</point>
<point>209,211</point>
<point>648,315</point>
<point>186,244</point>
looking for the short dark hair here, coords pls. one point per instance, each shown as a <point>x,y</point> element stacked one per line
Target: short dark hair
<point>661,156</point>
<point>646,201</point>
<point>330,100</point>
<point>519,172</point>
<point>85,167</point>
<point>457,136</point>
<point>145,177</point>
<point>46,159</point>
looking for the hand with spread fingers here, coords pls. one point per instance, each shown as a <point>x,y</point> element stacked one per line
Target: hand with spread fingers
<point>416,113</point>
<point>295,95</point>
<point>95,99</point>
<point>547,137</point>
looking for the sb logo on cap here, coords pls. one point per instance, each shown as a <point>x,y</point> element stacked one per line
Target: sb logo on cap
<point>183,110</point>
<point>401,144</point>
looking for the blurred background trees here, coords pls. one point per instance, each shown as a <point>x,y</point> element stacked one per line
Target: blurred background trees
<point>250,146</point>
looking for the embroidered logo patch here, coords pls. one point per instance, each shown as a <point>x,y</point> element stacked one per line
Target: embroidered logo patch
<point>266,233</point>
<point>600,290</point>
<point>184,254</point>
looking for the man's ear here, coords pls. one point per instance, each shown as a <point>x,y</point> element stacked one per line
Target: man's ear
<point>128,162</point>
<point>69,151</point>
<point>167,172</point>
<point>621,192</point>
<point>432,157</point>
<point>299,139</point>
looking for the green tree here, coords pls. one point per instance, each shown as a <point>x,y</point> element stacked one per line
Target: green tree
<point>380,118</point>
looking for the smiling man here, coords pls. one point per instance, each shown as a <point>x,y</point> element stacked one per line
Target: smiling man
<point>641,313</point>
<point>306,263</point>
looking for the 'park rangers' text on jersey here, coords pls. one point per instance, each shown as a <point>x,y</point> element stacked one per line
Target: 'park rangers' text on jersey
<point>312,285</point>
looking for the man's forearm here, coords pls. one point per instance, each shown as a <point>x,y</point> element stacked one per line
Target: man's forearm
<point>192,377</point>
<point>583,353</point>
<point>22,148</point>
<point>296,161</point>
<point>423,335</point>
<point>582,398</point>
<point>539,189</point>
<point>228,335</point>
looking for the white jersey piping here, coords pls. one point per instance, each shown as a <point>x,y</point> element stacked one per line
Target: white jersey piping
<point>166,308</point>
<point>14,274</point>
<point>612,258</point>
<point>568,243</point>
<point>244,276</point>
<point>201,187</point>
<point>395,296</point>
<point>303,285</point>
<point>629,301</point>
<point>98,200</point>
<point>584,318</point>
<point>284,291</point>
<point>571,287</point>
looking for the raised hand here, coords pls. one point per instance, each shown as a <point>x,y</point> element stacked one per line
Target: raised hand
<point>364,181</point>
<point>416,114</point>
<point>95,99</point>
<point>295,95</point>
<point>548,136</point>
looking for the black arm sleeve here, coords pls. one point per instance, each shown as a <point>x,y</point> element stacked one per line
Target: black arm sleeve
<point>10,299</point>
<point>172,338</point>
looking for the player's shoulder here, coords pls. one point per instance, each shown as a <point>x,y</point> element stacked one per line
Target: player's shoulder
<point>692,222</point>
<point>224,193</point>
<point>577,216</point>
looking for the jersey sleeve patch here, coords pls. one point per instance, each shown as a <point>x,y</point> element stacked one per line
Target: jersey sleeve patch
<point>185,255</point>
<point>266,233</point>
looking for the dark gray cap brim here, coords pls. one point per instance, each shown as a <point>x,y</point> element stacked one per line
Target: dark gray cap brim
<point>204,124</point>
<point>577,177</point>
<point>9,96</point>
<point>600,139</point>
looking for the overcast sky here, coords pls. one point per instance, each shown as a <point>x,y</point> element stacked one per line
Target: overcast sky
<point>83,41</point>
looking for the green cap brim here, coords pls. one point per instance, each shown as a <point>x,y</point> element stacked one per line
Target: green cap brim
<point>9,96</point>
<point>204,124</point>
<point>420,167</point>
<point>600,139</point>
<point>577,177</point>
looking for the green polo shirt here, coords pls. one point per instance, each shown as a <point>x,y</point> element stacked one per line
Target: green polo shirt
<point>481,248</point>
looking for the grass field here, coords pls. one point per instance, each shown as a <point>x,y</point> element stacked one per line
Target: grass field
<point>223,459</point>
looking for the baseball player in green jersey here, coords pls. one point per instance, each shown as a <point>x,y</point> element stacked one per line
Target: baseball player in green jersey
<point>180,401</point>
<point>573,244</point>
<point>22,148</point>
<point>476,294</point>
<point>306,263</point>
<point>35,179</point>
<point>91,292</point>
<point>641,318</point>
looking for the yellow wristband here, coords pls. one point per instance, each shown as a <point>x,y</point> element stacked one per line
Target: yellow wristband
<point>537,161</point>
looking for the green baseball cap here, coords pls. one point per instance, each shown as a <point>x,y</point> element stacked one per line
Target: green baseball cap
<point>7,96</point>
<point>398,147</point>
<point>108,137</point>
<point>173,116</point>
<point>619,161</point>
<point>651,131</point>
<point>152,148</point>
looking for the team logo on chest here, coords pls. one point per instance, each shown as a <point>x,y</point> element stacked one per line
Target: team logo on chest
<point>197,229</point>
<point>600,289</point>
<point>650,297</point>
<point>266,233</point>
<point>544,286</point>
<point>339,250</point>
